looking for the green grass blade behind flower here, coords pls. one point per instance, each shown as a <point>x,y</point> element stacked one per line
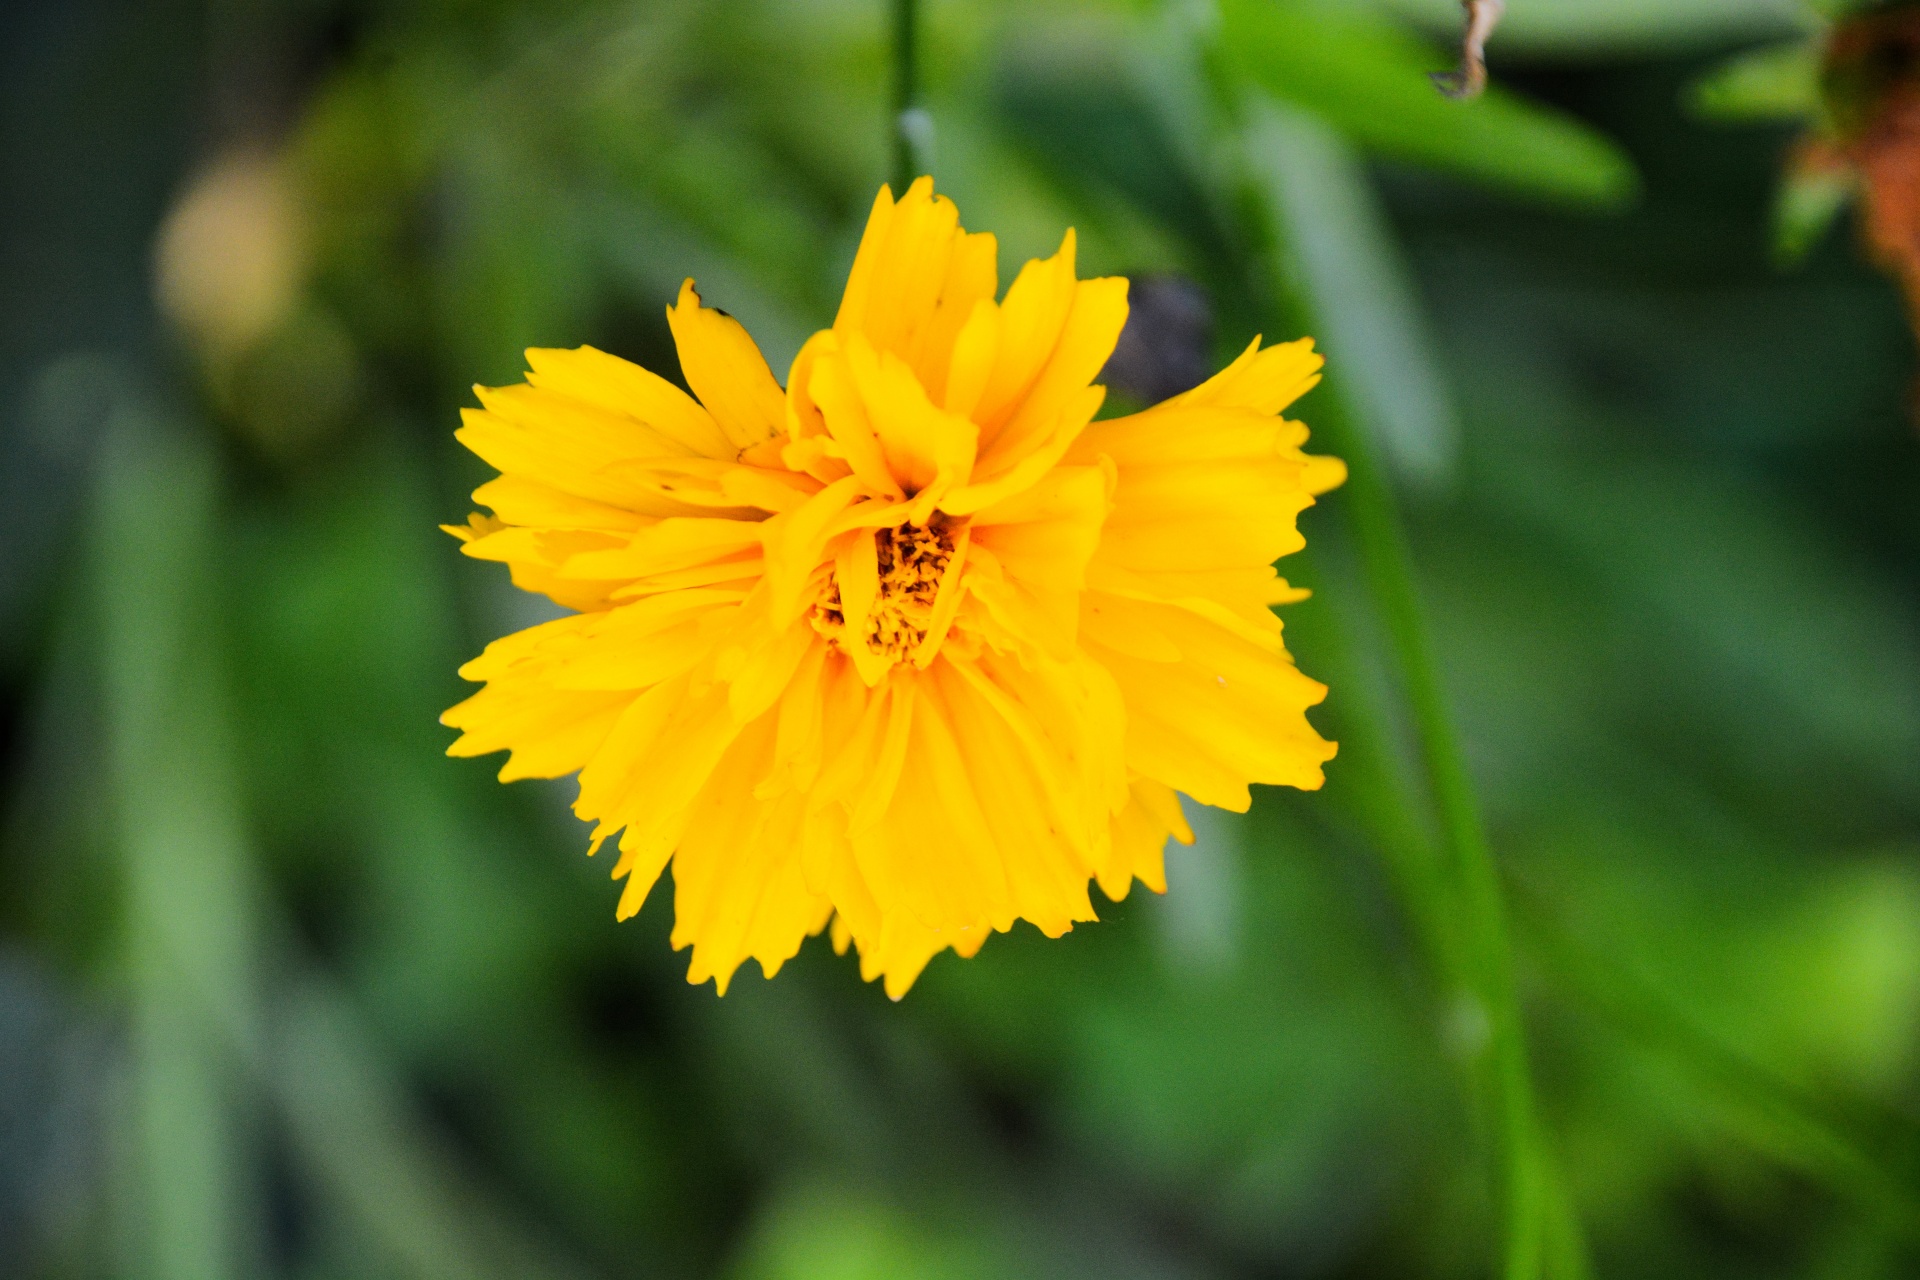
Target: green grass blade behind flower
<point>356,1136</point>
<point>187,922</point>
<point>1535,1223</point>
<point>1369,318</point>
<point>196,929</point>
<point>1335,232</point>
<point>1471,880</point>
<point>1368,78</point>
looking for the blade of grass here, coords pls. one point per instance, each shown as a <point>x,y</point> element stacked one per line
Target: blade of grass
<point>358,1138</point>
<point>1534,1222</point>
<point>1787,1123</point>
<point>1364,300</point>
<point>188,945</point>
<point>197,927</point>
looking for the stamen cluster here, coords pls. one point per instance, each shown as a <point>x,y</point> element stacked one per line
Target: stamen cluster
<point>911,560</point>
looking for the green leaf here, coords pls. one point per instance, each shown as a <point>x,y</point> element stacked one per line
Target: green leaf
<point>826,1231</point>
<point>1810,198</point>
<point>1779,82</point>
<point>1368,78</point>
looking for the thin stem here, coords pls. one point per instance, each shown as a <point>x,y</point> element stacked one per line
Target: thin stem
<point>1318,198</point>
<point>1491,999</point>
<point>906,92</point>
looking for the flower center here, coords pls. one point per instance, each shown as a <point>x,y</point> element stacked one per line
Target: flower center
<point>911,560</point>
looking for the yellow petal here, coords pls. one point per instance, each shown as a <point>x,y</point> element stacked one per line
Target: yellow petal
<point>620,386</point>
<point>570,446</point>
<point>671,545</point>
<point>976,348</point>
<point>727,371</point>
<point>797,541</point>
<point>761,677</point>
<point>1265,381</point>
<point>946,601</point>
<point>539,560</point>
<point>520,500</point>
<point>991,486</point>
<point>738,887</point>
<point>973,278</point>
<point>1323,474</point>
<point>548,731</point>
<point>911,269</point>
<point>1228,714</point>
<point>916,279</point>
<point>927,450</point>
<point>1205,516</point>
<point>1140,833</point>
<point>654,762</point>
<point>833,387</point>
<point>929,850</point>
<point>1097,313</point>
<point>1031,317</point>
<point>876,789</point>
<point>645,642</point>
<point>800,724</point>
<point>866,264</point>
<point>1043,540</point>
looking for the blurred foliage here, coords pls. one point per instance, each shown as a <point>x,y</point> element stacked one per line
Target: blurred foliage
<point>285,992</point>
<point>1365,78</point>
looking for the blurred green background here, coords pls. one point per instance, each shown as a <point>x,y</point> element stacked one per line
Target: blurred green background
<point>284,992</point>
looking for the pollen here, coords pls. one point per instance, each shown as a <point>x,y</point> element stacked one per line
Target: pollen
<point>911,560</point>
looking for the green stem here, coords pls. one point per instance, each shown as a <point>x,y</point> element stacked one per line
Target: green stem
<point>906,92</point>
<point>1335,241</point>
<point>1487,951</point>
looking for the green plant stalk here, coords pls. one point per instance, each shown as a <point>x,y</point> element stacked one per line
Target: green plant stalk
<point>1473,877</point>
<point>906,90</point>
<point>1303,171</point>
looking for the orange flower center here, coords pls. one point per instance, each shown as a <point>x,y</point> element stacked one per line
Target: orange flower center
<point>911,560</point>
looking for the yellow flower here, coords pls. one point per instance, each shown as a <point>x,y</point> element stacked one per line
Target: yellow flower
<point>913,645</point>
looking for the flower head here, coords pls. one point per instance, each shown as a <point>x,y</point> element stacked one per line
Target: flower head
<point>912,646</point>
